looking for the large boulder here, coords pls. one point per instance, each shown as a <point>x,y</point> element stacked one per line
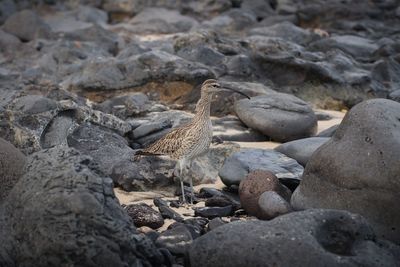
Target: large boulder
<point>280,116</point>
<point>358,169</point>
<point>307,238</point>
<point>64,212</point>
<point>12,163</point>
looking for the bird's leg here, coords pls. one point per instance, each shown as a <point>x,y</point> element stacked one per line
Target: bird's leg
<point>191,191</point>
<point>181,163</point>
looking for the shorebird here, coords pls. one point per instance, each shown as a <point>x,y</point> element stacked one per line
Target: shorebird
<point>191,140</point>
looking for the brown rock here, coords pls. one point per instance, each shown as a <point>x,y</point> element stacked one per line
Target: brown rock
<point>143,215</point>
<point>256,183</point>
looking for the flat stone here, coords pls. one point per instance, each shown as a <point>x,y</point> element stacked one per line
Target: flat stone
<point>280,116</point>
<point>177,240</point>
<point>169,213</point>
<point>239,164</point>
<point>213,212</point>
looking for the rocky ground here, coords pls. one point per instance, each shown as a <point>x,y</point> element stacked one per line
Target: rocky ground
<point>289,180</point>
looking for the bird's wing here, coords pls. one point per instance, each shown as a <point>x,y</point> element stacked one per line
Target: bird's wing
<point>170,143</point>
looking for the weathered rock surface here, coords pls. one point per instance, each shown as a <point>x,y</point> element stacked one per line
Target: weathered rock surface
<point>240,163</point>
<point>282,117</point>
<point>143,215</point>
<point>358,170</point>
<point>302,149</point>
<point>60,188</point>
<point>12,163</point>
<point>312,237</point>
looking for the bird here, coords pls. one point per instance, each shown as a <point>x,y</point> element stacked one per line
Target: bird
<point>192,139</point>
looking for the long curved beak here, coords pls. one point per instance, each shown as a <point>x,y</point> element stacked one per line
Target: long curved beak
<point>234,90</point>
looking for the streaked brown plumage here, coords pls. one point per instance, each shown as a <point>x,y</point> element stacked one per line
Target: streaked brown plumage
<point>192,139</point>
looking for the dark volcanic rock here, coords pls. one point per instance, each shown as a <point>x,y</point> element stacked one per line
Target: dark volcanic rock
<point>12,163</point>
<point>143,215</point>
<point>301,150</point>
<point>282,117</point>
<point>239,164</point>
<point>26,25</point>
<point>214,223</point>
<point>328,132</point>
<point>169,213</point>
<point>358,170</point>
<point>177,240</point>
<point>212,212</point>
<point>59,189</point>
<point>308,238</point>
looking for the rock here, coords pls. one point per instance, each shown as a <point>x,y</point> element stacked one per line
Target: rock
<point>59,186</point>
<point>286,31</point>
<point>177,240</point>
<point>26,25</point>
<point>161,20</point>
<point>239,164</point>
<point>143,215</point>
<point>34,104</point>
<point>126,105</point>
<point>307,238</point>
<point>197,226</point>
<point>7,8</point>
<point>214,223</point>
<point>328,132</point>
<point>323,116</point>
<point>168,213</point>
<point>395,95</point>
<point>114,156</point>
<point>256,183</point>
<point>155,71</point>
<point>271,205</point>
<point>357,170</point>
<point>12,163</point>
<point>213,212</point>
<point>158,202</point>
<point>219,201</point>
<point>353,45</point>
<point>301,150</point>
<point>280,116</point>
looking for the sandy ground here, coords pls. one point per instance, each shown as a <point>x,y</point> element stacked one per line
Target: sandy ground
<point>187,212</point>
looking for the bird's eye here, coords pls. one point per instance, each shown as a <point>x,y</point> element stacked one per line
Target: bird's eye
<point>216,85</point>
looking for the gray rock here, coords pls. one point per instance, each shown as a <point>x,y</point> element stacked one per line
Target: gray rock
<point>271,205</point>
<point>33,104</point>
<point>177,240</point>
<point>358,170</point>
<point>26,25</point>
<point>126,105</point>
<point>301,150</point>
<point>214,223</point>
<point>308,238</point>
<point>395,95</point>
<point>280,116</point>
<point>7,8</point>
<point>136,71</point>
<point>239,164</point>
<point>143,215</point>
<point>169,213</point>
<point>287,31</point>
<point>12,163</point>
<point>161,20</point>
<point>328,132</point>
<point>230,128</point>
<point>59,186</point>
<point>213,212</point>
<point>354,45</point>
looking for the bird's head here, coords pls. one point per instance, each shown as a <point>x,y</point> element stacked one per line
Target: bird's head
<point>213,86</point>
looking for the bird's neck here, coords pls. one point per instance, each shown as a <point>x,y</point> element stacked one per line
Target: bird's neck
<point>203,108</point>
